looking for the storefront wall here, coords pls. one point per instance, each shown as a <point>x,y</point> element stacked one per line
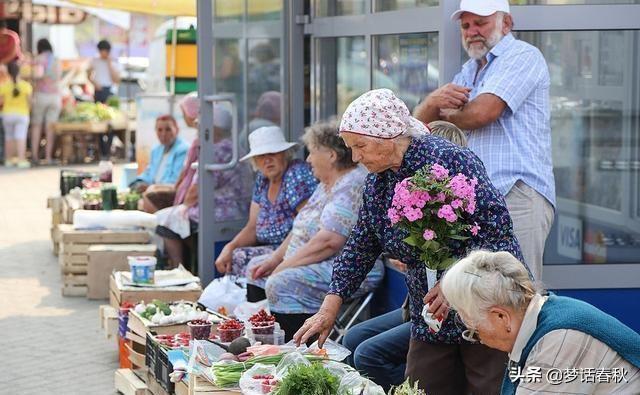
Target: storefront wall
<point>411,46</point>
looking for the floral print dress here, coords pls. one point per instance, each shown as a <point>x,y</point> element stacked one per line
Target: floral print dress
<point>275,219</point>
<point>302,289</point>
<point>374,234</point>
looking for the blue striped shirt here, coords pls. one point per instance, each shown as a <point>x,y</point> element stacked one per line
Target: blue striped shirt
<point>517,146</point>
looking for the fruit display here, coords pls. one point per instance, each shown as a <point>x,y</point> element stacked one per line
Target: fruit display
<point>89,112</point>
<point>160,313</point>
<point>174,341</point>
<point>200,329</point>
<point>262,323</point>
<point>230,330</point>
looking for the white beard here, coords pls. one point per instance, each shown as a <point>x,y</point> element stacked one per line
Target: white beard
<point>481,48</point>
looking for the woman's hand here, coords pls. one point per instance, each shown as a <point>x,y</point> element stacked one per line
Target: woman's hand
<point>321,323</point>
<point>265,269</point>
<point>438,305</point>
<point>223,263</point>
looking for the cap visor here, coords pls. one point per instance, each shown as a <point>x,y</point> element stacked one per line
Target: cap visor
<point>269,149</point>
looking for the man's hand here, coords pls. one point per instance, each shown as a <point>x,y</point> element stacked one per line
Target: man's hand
<point>449,96</point>
<point>438,305</point>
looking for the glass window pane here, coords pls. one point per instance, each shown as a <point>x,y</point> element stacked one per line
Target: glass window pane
<point>389,5</point>
<point>264,10</point>
<point>228,11</point>
<point>342,73</point>
<point>263,84</point>
<point>595,136</point>
<point>406,64</point>
<point>340,7</point>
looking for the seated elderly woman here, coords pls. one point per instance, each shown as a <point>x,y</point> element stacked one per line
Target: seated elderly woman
<point>297,275</point>
<point>497,304</point>
<point>165,164</point>
<point>283,185</point>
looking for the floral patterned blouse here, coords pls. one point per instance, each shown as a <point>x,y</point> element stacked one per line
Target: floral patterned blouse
<point>373,233</point>
<point>276,219</point>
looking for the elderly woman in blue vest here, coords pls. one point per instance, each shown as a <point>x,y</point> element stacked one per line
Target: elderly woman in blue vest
<point>166,162</point>
<point>556,344</point>
<point>393,145</point>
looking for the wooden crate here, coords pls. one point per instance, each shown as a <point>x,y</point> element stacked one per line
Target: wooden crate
<point>127,383</point>
<point>108,320</point>
<point>73,255</point>
<point>200,386</point>
<point>74,285</point>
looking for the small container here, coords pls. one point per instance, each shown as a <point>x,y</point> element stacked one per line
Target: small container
<point>229,335</point>
<point>109,197</point>
<point>263,327</point>
<point>200,329</point>
<point>142,269</point>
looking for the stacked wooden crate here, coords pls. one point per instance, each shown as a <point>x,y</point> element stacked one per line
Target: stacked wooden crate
<point>74,253</point>
<point>56,206</point>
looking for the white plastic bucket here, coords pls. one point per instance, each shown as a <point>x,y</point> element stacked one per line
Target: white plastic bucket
<point>142,269</point>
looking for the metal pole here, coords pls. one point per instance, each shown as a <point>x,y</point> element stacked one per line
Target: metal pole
<point>206,234</point>
<point>174,46</point>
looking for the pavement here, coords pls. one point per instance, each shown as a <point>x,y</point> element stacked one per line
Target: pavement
<point>51,344</point>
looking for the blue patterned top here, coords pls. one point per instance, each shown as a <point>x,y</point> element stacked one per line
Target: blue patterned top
<point>374,234</point>
<point>517,146</point>
<point>276,219</point>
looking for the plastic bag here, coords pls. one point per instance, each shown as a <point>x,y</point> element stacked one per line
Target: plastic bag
<point>176,219</point>
<point>202,354</point>
<point>222,292</point>
<point>246,309</point>
<point>334,351</point>
<point>354,384</point>
<point>258,386</point>
<point>289,360</point>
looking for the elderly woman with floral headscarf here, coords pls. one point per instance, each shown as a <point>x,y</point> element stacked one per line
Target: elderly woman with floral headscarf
<point>393,145</point>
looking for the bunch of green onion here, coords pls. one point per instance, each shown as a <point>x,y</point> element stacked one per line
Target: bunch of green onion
<point>228,374</point>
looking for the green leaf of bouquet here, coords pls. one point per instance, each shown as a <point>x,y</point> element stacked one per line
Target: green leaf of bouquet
<point>458,237</point>
<point>412,241</point>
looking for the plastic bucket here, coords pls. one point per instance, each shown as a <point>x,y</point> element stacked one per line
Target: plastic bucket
<point>142,269</point>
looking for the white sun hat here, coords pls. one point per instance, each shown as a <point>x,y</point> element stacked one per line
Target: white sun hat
<point>267,140</point>
<point>481,7</point>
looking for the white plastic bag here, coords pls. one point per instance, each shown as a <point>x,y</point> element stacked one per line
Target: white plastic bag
<point>289,360</point>
<point>176,219</point>
<point>258,386</point>
<point>354,384</point>
<point>335,351</point>
<point>223,292</point>
<point>246,309</point>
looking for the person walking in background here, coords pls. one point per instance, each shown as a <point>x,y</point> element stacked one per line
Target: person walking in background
<point>15,97</point>
<point>47,100</point>
<point>501,98</point>
<point>103,73</point>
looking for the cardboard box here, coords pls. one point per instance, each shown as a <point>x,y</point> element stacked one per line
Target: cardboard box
<point>117,296</point>
<point>107,258</point>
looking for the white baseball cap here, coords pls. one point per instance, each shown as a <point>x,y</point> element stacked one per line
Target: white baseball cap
<point>481,7</point>
<point>267,140</point>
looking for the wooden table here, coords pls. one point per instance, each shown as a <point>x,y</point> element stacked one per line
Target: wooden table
<point>80,132</point>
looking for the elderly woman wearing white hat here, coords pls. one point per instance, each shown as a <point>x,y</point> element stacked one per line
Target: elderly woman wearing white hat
<point>393,145</point>
<point>283,185</point>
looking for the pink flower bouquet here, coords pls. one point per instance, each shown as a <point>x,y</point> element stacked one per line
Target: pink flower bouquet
<point>434,208</point>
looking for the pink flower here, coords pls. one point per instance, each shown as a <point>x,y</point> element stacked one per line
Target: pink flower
<point>447,213</point>
<point>471,207</point>
<point>439,172</point>
<point>413,214</point>
<point>392,213</point>
<point>457,203</point>
<point>474,229</point>
<point>441,197</point>
<point>429,234</point>
<point>461,188</point>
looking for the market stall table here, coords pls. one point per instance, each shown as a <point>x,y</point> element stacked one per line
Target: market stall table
<point>79,132</point>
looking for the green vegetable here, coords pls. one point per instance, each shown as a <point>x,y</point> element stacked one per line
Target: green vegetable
<point>407,389</point>
<point>162,306</point>
<point>149,312</point>
<point>311,379</point>
<point>228,374</point>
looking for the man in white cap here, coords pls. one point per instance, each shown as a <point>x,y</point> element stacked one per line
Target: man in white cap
<point>501,98</point>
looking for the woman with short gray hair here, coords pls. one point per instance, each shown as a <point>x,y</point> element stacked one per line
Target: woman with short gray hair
<point>295,278</point>
<point>497,304</point>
